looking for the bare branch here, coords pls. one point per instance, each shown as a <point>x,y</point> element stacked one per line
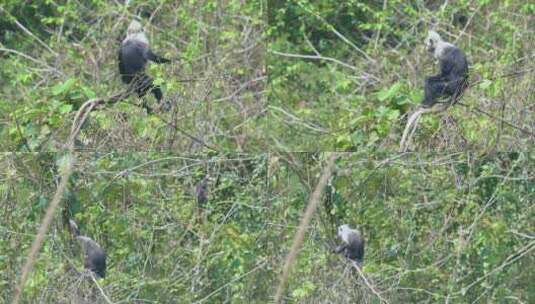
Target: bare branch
<point>305,220</point>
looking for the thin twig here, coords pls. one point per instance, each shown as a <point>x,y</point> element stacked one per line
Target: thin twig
<point>100,288</point>
<point>232,281</point>
<point>317,58</point>
<point>510,124</point>
<point>344,39</point>
<point>47,220</point>
<point>27,57</point>
<point>370,286</point>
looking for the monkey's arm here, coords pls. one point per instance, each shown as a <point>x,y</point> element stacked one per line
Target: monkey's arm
<point>340,248</point>
<point>158,59</point>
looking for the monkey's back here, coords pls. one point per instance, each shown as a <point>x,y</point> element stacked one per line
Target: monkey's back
<point>355,248</point>
<point>201,192</point>
<point>95,257</point>
<point>96,261</point>
<point>132,59</point>
<point>454,62</point>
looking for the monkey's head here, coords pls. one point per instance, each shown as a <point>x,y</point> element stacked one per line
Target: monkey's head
<point>135,32</point>
<point>344,231</point>
<point>134,28</point>
<point>432,41</point>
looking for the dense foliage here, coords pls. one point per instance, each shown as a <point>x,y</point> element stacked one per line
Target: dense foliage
<point>58,54</point>
<point>345,75</point>
<point>141,208</point>
<point>452,228</point>
<point>259,93</point>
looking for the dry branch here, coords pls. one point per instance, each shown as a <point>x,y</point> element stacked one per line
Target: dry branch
<point>368,284</point>
<point>412,123</point>
<point>305,220</point>
<point>66,172</point>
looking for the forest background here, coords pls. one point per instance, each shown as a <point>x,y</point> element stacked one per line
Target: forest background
<point>261,92</point>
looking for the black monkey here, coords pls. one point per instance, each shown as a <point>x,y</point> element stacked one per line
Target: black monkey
<point>133,56</point>
<point>201,191</point>
<point>94,256</point>
<point>353,246</point>
<point>453,77</point>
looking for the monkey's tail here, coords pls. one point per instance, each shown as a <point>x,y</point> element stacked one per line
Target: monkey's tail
<point>460,90</point>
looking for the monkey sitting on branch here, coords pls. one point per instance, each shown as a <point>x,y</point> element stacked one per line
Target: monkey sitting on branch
<point>450,82</point>
<point>353,244</point>
<point>134,54</point>
<point>94,255</point>
<point>453,77</point>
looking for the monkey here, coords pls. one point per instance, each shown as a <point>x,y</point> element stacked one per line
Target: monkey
<point>201,191</point>
<point>353,246</point>
<point>460,19</point>
<point>453,77</point>
<point>133,56</point>
<point>94,255</point>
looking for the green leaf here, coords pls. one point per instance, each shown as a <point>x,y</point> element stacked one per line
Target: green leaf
<point>485,84</point>
<point>66,108</point>
<point>61,88</point>
<point>386,94</point>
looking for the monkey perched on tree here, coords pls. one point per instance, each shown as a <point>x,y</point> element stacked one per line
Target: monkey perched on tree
<point>94,256</point>
<point>201,191</point>
<point>453,77</point>
<point>133,56</point>
<point>353,246</point>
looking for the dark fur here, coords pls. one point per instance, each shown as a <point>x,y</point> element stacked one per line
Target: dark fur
<point>94,256</point>
<point>133,57</point>
<point>201,191</point>
<point>95,259</point>
<point>353,249</point>
<point>452,80</point>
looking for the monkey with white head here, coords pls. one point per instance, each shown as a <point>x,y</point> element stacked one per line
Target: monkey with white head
<point>94,255</point>
<point>134,54</point>
<point>453,77</point>
<point>353,243</point>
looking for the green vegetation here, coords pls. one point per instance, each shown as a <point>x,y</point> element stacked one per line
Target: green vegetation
<point>439,228</point>
<point>260,94</point>
<point>141,209</point>
<point>55,55</point>
<point>345,75</point>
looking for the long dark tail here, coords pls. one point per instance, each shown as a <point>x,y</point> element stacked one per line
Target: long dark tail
<point>143,83</point>
<point>460,90</point>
